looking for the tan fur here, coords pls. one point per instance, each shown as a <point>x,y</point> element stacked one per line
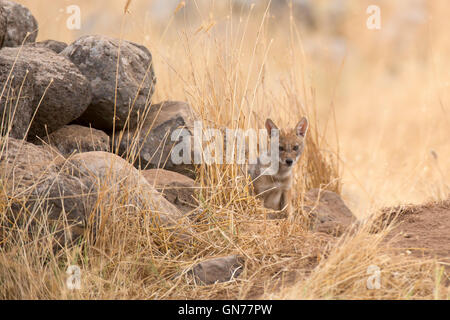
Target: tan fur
<point>275,190</point>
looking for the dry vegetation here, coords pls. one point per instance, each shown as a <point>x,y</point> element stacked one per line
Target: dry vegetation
<point>380,128</point>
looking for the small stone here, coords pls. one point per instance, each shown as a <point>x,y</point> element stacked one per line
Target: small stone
<point>216,270</point>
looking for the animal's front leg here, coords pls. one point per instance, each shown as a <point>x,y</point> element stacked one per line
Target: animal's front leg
<point>286,203</point>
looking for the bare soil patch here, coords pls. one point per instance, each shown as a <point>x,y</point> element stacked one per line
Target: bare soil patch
<point>423,231</point>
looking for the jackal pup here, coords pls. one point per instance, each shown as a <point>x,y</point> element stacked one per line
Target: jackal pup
<point>275,189</point>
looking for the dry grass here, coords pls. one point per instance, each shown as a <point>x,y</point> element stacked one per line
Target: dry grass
<point>377,112</point>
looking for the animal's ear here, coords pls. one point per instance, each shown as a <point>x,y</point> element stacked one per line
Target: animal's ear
<point>302,127</point>
<point>269,126</point>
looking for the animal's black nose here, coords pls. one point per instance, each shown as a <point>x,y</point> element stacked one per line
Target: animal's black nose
<point>289,162</point>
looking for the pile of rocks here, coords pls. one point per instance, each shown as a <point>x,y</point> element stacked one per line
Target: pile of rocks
<point>96,82</point>
<point>68,111</point>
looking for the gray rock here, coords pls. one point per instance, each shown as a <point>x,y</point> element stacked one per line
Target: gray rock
<point>20,22</point>
<point>327,211</point>
<point>215,270</point>
<point>3,26</point>
<point>96,57</point>
<point>66,92</point>
<point>55,46</point>
<point>75,139</point>
<point>70,194</point>
<point>175,187</point>
<point>16,102</point>
<point>22,159</point>
<point>104,168</point>
<point>152,140</point>
<point>34,188</point>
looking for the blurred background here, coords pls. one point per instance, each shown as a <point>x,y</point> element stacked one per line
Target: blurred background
<point>379,98</point>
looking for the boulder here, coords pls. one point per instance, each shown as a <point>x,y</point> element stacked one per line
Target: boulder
<point>96,57</point>
<point>20,22</point>
<point>327,211</point>
<point>24,161</point>
<point>216,270</point>
<point>150,145</point>
<point>3,24</point>
<point>123,180</point>
<point>175,187</point>
<point>71,194</point>
<point>34,187</point>
<point>55,46</point>
<point>16,95</point>
<point>66,92</point>
<point>75,139</point>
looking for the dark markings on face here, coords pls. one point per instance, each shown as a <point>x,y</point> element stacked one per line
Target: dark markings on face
<point>290,149</point>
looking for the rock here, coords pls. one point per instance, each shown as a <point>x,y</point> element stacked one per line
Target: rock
<point>71,194</point>
<point>75,139</point>
<point>122,179</point>
<point>3,25</point>
<point>34,187</point>
<point>96,57</point>
<point>55,46</point>
<point>175,187</point>
<point>121,188</point>
<point>25,160</point>
<point>20,22</point>
<point>65,90</point>
<point>221,269</point>
<point>328,212</point>
<point>153,137</point>
<point>16,101</point>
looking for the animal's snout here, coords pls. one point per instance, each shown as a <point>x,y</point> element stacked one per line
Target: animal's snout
<point>289,162</point>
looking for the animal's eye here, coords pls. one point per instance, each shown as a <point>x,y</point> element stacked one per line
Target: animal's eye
<point>296,148</point>
<point>281,148</point>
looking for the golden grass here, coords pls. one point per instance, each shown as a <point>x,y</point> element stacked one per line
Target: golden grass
<point>377,112</point>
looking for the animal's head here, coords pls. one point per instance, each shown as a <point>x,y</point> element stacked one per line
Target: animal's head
<point>291,142</point>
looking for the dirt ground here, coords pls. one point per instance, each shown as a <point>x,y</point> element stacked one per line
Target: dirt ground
<point>424,231</point>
